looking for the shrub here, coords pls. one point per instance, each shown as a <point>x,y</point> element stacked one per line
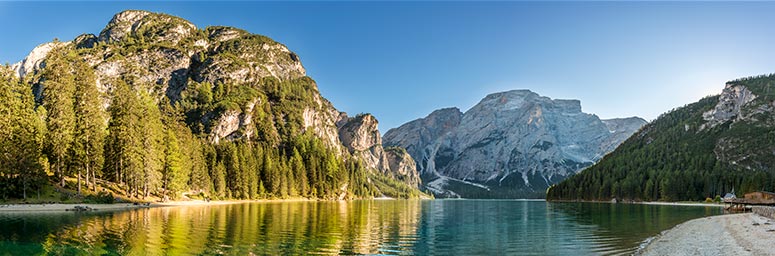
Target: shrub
<point>103,197</point>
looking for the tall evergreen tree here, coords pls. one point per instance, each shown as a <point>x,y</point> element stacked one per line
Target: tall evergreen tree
<point>123,148</point>
<point>173,176</point>
<point>58,85</point>
<point>21,138</point>
<point>151,132</point>
<point>89,135</point>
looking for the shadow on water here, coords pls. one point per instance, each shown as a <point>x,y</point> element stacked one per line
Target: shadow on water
<point>404,227</point>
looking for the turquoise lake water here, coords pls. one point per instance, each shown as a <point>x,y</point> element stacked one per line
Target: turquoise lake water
<point>388,227</point>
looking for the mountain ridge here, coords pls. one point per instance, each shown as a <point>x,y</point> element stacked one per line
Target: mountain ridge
<point>534,141</point>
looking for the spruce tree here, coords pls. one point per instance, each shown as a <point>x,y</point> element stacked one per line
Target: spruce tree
<point>123,148</point>
<point>58,85</point>
<point>150,129</point>
<point>21,138</point>
<point>89,125</point>
<point>174,178</point>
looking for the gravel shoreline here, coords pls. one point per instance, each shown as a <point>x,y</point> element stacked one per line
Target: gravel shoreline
<point>732,234</point>
<point>127,206</point>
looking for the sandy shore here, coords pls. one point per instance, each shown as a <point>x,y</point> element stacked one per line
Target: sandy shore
<point>733,234</point>
<point>64,207</point>
<point>128,206</point>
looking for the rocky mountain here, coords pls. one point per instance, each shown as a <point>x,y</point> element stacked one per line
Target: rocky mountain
<point>228,86</point>
<point>362,138</point>
<point>694,152</point>
<point>511,144</point>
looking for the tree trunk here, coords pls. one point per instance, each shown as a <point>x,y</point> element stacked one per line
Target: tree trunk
<point>94,180</point>
<point>61,175</point>
<point>86,179</point>
<point>116,177</point>
<point>24,191</point>
<point>79,181</point>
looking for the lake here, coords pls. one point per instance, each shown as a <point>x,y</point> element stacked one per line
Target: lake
<point>402,227</point>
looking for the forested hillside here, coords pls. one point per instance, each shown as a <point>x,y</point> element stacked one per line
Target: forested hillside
<point>155,107</point>
<point>694,152</point>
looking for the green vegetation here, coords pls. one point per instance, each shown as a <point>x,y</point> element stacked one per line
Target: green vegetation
<point>673,159</point>
<point>22,130</point>
<point>147,145</point>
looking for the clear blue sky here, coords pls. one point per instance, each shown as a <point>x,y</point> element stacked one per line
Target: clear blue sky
<point>400,61</point>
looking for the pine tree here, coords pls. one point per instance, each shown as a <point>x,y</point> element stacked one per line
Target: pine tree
<point>297,165</point>
<point>219,180</point>
<point>151,132</point>
<point>123,147</point>
<point>58,85</point>
<point>174,178</point>
<point>21,138</point>
<point>199,178</point>
<point>89,125</point>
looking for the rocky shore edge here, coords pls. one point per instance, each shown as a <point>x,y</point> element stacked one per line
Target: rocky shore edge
<point>730,234</point>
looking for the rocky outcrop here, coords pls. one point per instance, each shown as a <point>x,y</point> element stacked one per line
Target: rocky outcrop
<point>234,124</point>
<point>729,107</point>
<point>511,144</point>
<point>402,166</point>
<point>323,121</point>
<point>35,60</point>
<point>153,27</point>
<point>360,135</point>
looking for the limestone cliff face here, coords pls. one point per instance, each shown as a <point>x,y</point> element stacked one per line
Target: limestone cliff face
<point>34,61</point>
<point>261,86</point>
<point>360,135</point>
<point>511,144</point>
<point>402,166</point>
<point>730,106</point>
<point>421,137</point>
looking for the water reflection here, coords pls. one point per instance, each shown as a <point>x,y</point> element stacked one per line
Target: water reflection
<point>407,227</point>
<point>363,227</point>
<point>627,224</point>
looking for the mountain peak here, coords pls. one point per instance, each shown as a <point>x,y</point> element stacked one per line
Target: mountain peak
<point>517,99</point>
<point>511,144</point>
<point>152,27</point>
<point>512,94</point>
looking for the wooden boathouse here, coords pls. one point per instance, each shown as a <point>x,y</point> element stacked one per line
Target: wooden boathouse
<point>759,198</point>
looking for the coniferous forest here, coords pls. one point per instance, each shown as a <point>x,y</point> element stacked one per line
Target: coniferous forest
<point>680,157</point>
<point>60,132</point>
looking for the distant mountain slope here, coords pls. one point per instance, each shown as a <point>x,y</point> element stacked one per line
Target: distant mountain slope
<point>512,144</point>
<point>700,150</point>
